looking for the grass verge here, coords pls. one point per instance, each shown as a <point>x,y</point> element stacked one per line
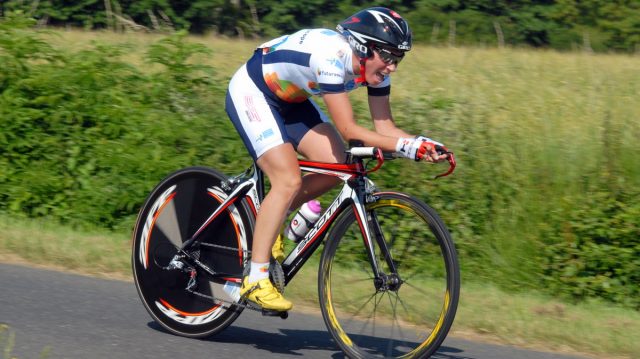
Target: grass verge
<point>485,313</point>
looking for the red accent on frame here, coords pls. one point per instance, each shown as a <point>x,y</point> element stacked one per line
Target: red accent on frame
<point>211,219</point>
<point>353,20</point>
<point>235,226</point>
<point>252,206</point>
<point>235,280</point>
<point>361,225</point>
<point>341,167</point>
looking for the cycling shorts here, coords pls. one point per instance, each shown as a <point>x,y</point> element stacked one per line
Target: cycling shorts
<point>260,117</point>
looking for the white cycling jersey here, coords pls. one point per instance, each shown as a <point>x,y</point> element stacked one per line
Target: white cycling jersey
<point>309,62</point>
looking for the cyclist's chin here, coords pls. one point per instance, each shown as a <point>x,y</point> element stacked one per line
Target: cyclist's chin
<point>375,78</point>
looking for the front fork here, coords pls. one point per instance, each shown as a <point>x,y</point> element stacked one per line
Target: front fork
<point>382,281</point>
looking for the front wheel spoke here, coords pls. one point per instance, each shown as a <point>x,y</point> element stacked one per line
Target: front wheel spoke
<point>371,319</point>
<point>362,280</point>
<point>402,338</point>
<point>404,306</point>
<point>411,275</point>
<point>367,322</point>
<point>356,314</point>
<point>367,297</point>
<point>394,304</point>
<point>418,289</point>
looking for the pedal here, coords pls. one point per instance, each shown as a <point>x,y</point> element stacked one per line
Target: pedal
<point>275,313</point>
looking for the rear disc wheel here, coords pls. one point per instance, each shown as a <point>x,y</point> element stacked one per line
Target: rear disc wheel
<point>173,212</point>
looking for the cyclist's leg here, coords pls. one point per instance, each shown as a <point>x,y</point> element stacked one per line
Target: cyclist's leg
<point>257,118</point>
<point>280,164</point>
<point>317,140</point>
<point>261,126</point>
<point>323,144</point>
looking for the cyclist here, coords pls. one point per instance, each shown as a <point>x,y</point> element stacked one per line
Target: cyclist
<point>268,101</point>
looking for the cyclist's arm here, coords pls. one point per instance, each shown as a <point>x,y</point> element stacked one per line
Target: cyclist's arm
<point>340,110</point>
<point>380,108</point>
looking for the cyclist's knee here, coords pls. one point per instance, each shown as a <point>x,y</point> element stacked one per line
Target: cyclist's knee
<point>287,186</point>
<point>324,144</point>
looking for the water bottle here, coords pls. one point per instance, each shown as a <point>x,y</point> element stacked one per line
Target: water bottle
<point>303,220</point>
<point>233,290</point>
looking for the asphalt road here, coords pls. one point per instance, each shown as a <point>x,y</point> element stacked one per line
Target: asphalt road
<point>71,316</point>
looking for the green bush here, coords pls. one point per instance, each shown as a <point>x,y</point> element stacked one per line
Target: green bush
<point>85,134</point>
<point>599,255</point>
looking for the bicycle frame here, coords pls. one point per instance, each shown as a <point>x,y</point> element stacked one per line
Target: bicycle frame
<point>356,192</point>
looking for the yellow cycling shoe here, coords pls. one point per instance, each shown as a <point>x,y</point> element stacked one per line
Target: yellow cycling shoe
<point>277,251</point>
<point>264,294</point>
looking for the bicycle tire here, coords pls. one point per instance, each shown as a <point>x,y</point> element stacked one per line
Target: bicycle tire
<point>174,210</point>
<point>410,320</point>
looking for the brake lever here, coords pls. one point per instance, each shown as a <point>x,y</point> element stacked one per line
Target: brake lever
<point>451,158</point>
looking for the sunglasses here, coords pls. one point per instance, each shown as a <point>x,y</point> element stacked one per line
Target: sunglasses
<point>389,57</point>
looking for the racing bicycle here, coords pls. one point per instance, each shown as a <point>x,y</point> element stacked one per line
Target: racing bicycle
<point>388,278</point>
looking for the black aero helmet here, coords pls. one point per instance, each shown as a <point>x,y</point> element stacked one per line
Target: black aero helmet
<point>376,26</point>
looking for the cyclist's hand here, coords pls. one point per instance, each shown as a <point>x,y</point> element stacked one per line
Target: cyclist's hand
<point>432,151</point>
<point>421,149</point>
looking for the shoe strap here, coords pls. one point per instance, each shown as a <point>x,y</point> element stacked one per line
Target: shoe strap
<point>250,290</point>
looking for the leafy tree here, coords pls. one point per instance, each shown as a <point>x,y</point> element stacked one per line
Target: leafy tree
<point>544,23</point>
<point>147,11</point>
<point>86,13</point>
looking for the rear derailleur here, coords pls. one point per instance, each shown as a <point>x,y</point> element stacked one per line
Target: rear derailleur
<point>178,263</point>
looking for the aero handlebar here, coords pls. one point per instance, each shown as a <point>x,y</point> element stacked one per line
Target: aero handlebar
<point>376,153</point>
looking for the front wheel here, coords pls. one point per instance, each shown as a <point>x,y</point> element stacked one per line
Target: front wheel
<point>173,212</point>
<point>406,310</point>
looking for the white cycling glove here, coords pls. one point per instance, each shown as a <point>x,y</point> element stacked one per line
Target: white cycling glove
<point>423,138</point>
<point>415,148</point>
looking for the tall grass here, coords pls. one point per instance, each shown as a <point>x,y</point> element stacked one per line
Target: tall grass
<point>538,134</point>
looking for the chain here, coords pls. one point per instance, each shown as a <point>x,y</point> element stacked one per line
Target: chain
<point>233,249</point>
<point>275,270</point>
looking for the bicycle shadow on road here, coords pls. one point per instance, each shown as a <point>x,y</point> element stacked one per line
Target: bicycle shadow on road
<point>296,341</point>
